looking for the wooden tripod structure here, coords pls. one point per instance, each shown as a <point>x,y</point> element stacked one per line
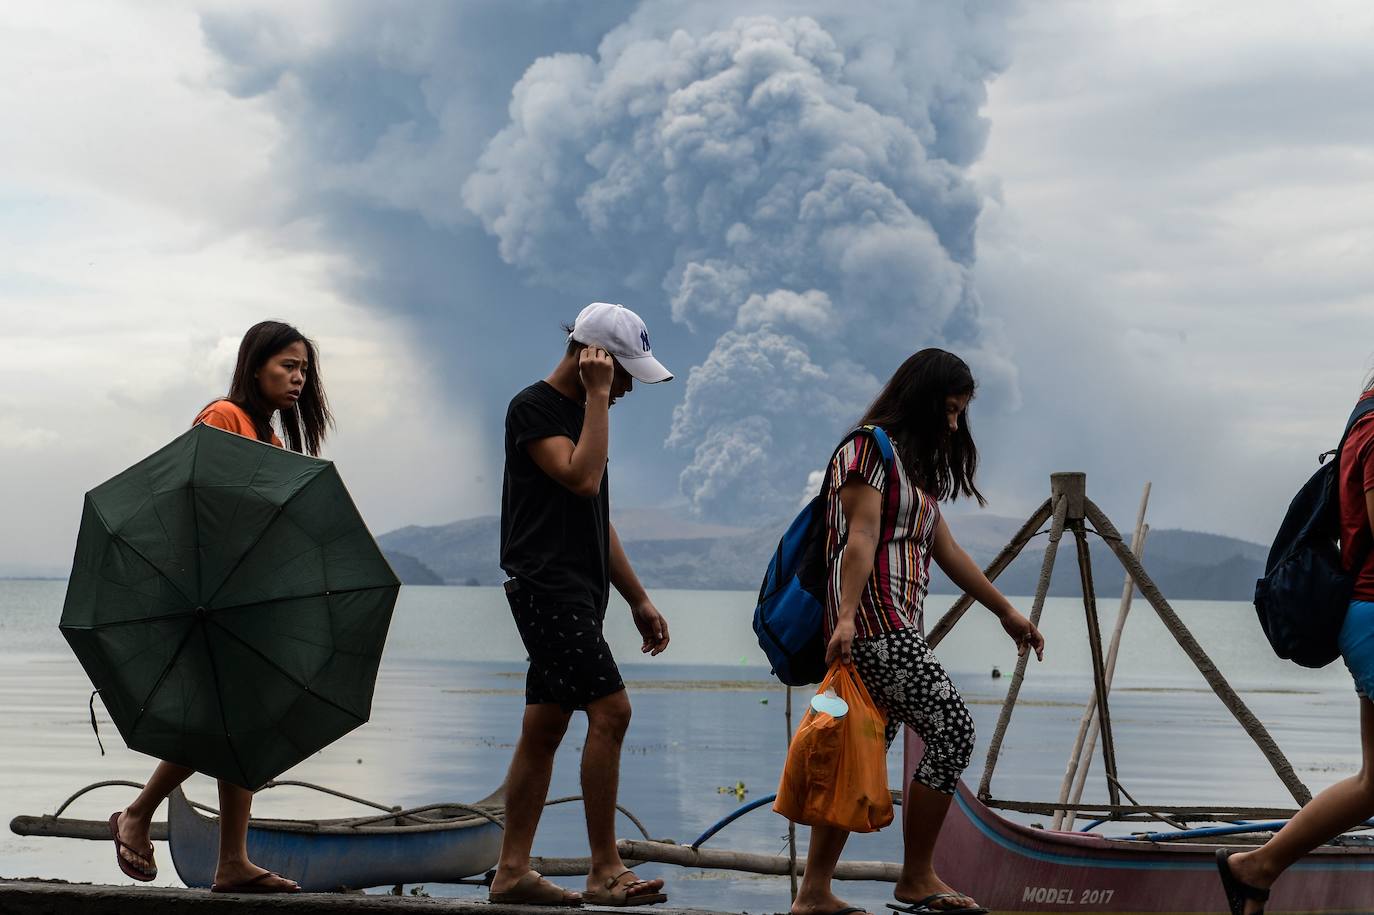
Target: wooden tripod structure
<point>1069,508</point>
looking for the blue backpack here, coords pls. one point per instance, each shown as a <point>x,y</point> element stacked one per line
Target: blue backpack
<point>1302,598</point>
<point>791,609</point>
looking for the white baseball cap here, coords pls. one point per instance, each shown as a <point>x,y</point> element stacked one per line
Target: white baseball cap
<point>621,333</point>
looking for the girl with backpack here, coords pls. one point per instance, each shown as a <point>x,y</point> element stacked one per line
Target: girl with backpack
<point>1247,876</point>
<point>883,529</point>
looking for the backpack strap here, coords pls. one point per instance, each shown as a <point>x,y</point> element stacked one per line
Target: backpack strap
<point>1362,409</point>
<point>884,448</point>
<point>884,445</point>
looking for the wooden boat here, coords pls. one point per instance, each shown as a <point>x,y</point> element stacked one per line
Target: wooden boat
<point>435,844</point>
<point>1009,867</point>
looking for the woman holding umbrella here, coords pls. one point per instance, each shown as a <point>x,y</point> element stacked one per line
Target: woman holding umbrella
<point>277,373</point>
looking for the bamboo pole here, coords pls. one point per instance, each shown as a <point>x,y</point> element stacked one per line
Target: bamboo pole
<point>67,828</point>
<point>791,826</point>
<point>1258,733</point>
<point>1088,741</point>
<point>722,859</point>
<point>1075,774</point>
<point>1100,687</point>
<point>1061,508</point>
<point>997,567</point>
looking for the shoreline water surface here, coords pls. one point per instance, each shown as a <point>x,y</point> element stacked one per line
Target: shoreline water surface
<point>708,717</point>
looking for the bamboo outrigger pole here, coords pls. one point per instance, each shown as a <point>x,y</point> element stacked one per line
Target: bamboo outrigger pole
<point>1234,704</point>
<point>1080,760</point>
<point>1005,558</point>
<point>791,826</point>
<point>1061,510</point>
<point>1069,507</point>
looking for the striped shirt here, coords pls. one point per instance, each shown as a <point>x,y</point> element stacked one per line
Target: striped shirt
<point>893,597</point>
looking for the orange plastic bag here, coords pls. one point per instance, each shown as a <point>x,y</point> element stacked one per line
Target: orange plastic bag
<point>836,772</point>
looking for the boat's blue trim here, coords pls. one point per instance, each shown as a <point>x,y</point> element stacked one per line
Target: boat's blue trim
<point>1203,832</point>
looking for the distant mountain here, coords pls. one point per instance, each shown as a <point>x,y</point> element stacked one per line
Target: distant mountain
<point>668,552</point>
<point>1221,568</point>
<point>410,570</point>
<point>663,524</point>
<point>458,553</point>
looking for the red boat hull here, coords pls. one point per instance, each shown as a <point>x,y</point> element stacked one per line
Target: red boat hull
<point>1013,868</point>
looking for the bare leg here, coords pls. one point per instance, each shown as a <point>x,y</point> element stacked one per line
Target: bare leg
<point>235,805</point>
<point>1326,816</point>
<point>137,818</point>
<point>527,787</point>
<point>608,718</point>
<point>822,854</point>
<point>923,815</point>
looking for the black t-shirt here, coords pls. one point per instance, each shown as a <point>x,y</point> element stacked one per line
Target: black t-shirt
<point>555,542</point>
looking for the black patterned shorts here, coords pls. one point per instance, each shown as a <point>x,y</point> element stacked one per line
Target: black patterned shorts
<point>570,662</point>
<point>905,680</point>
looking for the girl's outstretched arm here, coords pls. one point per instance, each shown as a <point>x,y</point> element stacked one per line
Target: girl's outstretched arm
<point>964,572</point>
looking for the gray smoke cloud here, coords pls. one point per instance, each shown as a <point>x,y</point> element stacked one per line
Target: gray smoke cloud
<point>792,187</point>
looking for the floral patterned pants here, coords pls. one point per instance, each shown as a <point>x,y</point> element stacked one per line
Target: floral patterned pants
<point>907,682</point>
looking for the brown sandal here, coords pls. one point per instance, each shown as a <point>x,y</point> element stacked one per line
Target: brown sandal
<point>255,886</point>
<point>618,895</point>
<point>130,869</point>
<point>532,889</point>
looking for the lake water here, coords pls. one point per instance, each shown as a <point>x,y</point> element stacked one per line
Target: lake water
<point>707,716</point>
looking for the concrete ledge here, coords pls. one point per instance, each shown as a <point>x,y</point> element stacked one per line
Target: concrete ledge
<point>55,897</point>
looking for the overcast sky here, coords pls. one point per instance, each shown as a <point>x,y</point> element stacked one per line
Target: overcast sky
<point>1146,225</point>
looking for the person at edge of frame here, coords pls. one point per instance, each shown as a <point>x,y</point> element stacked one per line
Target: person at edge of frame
<point>562,555</point>
<point>1247,875</point>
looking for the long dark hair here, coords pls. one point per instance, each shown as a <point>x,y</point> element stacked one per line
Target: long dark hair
<point>305,424</point>
<point>911,409</point>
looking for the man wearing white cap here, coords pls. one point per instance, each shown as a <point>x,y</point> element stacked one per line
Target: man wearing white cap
<point>562,555</point>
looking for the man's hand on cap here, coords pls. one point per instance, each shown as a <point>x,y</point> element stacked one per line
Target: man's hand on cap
<point>597,370</point>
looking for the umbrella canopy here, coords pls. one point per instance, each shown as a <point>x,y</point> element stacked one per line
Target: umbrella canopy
<point>229,604</point>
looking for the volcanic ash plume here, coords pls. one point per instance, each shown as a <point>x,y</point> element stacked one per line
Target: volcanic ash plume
<point>796,194</point>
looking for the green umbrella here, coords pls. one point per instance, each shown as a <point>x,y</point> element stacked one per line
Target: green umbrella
<point>229,605</point>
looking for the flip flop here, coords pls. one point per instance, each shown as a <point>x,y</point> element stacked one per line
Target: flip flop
<point>1237,892</point>
<point>617,896</point>
<point>253,885</point>
<point>130,869</point>
<point>533,889</point>
<point>924,907</point>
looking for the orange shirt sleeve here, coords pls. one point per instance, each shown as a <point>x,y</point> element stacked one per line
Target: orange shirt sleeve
<point>223,415</point>
<point>227,416</point>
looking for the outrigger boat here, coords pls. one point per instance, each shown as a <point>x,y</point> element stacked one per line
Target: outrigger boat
<point>437,843</point>
<point>440,843</point>
<point>1010,867</point>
